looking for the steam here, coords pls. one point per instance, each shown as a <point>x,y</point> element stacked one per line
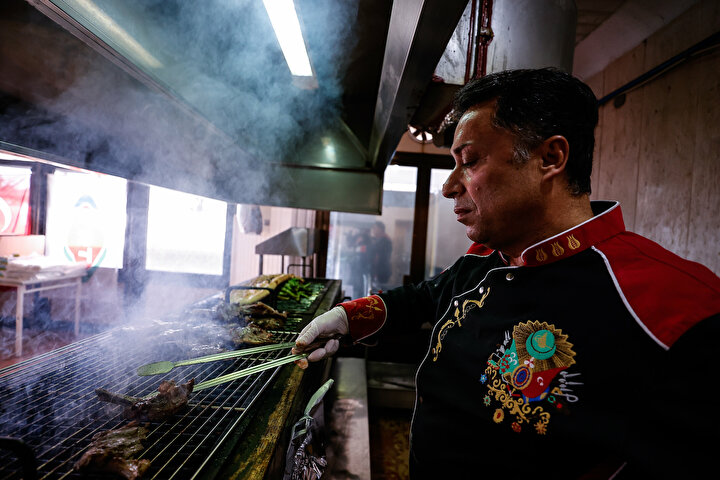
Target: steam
<point>239,110</point>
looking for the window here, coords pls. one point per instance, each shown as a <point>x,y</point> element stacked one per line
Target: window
<point>357,249</point>
<point>446,237</point>
<point>86,218</point>
<point>186,233</point>
<point>14,200</point>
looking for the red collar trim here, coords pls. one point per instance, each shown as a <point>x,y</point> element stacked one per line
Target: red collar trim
<point>479,249</point>
<point>607,222</point>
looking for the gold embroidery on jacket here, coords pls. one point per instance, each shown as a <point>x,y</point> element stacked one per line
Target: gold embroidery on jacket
<point>573,243</point>
<point>456,320</point>
<point>527,377</point>
<point>370,310</point>
<point>557,250</point>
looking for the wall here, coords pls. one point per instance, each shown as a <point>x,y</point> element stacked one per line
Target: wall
<point>245,263</point>
<point>659,152</point>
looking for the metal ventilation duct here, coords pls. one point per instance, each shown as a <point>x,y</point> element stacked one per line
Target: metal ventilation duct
<point>532,34</point>
<point>196,96</point>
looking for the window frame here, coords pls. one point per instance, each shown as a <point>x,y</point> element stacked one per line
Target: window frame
<point>134,271</point>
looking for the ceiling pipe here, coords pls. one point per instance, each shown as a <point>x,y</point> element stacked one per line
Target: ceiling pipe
<point>532,34</point>
<point>484,37</point>
<point>470,50</point>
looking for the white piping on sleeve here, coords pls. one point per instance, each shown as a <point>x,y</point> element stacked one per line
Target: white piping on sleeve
<point>617,471</point>
<point>625,301</point>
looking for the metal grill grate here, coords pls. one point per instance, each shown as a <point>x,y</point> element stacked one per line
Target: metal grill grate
<point>49,403</point>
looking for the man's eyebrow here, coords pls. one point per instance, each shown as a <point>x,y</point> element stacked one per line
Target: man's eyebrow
<point>459,148</point>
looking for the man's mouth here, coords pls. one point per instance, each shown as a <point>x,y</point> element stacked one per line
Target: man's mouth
<point>461,212</point>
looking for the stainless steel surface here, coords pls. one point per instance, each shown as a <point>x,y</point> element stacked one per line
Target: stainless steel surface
<point>391,384</point>
<point>348,452</point>
<point>532,34</point>
<point>296,242</point>
<point>416,39</point>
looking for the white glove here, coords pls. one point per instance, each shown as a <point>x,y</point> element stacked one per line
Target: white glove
<point>331,325</point>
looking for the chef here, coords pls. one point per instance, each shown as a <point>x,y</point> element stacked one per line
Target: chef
<point>563,345</point>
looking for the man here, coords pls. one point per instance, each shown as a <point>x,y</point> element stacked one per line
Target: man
<point>380,249</point>
<point>563,346</point>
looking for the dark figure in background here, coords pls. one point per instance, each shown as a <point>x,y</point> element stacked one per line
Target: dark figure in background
<point>563,345</point>
<point>380,250</point>
<point>359,246</point>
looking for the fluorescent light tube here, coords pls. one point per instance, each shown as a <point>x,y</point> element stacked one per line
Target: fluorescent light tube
<point>287,30</point>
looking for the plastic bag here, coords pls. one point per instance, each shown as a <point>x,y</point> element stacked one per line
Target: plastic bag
<point>305,459</point>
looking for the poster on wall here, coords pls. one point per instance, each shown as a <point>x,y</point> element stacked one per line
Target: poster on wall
<point>86,218</point>
<point>14,201</point>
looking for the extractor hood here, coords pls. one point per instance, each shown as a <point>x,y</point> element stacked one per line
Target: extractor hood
<point>196,96</point>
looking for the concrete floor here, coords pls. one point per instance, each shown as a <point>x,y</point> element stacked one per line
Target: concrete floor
<point>389,443</point>
<point>35,342</point>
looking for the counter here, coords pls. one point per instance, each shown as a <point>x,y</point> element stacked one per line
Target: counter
<point>260,454</point>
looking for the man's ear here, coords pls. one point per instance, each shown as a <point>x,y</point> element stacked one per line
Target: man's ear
<point>554,151</point>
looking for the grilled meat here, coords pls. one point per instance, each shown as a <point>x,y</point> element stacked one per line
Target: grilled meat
<point>251,334</point>
<point>260,309</point>
<point>113,451</point>
<point>169,400</point>
<point>269,323</point>
<point>259,313</point>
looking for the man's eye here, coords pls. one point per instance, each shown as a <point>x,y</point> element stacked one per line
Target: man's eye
<point>468,161</point>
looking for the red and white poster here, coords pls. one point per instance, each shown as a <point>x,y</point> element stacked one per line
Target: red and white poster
<point>14,201</point>
<point>86,218</point>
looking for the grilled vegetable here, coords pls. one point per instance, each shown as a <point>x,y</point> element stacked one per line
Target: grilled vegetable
<point>247,296</point>
<point>295,289</point>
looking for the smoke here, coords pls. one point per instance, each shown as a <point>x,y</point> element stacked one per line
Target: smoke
<point>226,112</point>
<point>236,110</point>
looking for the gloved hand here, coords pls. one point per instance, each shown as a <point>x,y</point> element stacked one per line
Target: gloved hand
<point>331,325</point>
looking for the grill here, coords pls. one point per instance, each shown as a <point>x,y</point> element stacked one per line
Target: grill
<point>48,403</point>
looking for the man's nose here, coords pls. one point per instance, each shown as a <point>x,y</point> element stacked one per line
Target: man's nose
<point>452,186</point>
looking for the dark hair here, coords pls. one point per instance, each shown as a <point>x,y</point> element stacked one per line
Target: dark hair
<point>380,225</point>
<point>535,105</point>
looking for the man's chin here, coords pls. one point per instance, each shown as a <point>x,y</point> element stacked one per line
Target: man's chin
<point>474,235</point>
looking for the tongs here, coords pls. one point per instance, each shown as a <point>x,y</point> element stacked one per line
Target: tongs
<point>221,379</point>
<point>166,366</point>
<point>248,371</point>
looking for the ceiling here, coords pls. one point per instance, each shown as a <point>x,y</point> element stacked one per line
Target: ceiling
<point>592,13</point>
<point>196,96</point>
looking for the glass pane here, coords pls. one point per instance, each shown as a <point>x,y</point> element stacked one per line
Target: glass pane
<point>186,233</point>
<point>360,254</point>
<point>86,218</point>
<point>14,200</point>
<point>446,238</point>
